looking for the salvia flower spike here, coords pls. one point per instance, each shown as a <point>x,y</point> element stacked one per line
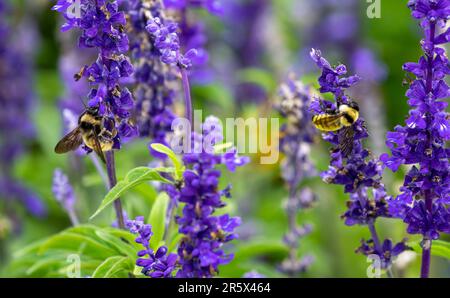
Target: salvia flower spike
<point>360,172</point>
<point>200,252</point>
<point>421,142</point>
<point>102,27</point>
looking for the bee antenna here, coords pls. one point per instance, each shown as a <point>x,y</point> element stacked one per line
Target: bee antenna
<point>83,103</point>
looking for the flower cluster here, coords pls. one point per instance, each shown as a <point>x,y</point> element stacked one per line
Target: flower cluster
<point>167,42</point>
<point>102,27</point>
<point>423,202</point>
<point>386,251</point>
<point>17,102</point>
<point>298,135</point>
<point>157,264</point>
<point>200,252</point>
<point>358,171</point>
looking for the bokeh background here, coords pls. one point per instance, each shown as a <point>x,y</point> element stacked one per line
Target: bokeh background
<point>253,46</point>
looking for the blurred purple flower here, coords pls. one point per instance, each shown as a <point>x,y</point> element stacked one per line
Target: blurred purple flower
<point>298,136</point>
<point>64,194</point>
<point>17,102</point>
<point>253,274</point>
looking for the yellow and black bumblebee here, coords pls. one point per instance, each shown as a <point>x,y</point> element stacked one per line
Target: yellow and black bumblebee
<point>92,131</point>
<point>340,120</point>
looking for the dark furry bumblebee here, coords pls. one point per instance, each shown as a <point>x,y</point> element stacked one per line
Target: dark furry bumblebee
<point>92,132</point>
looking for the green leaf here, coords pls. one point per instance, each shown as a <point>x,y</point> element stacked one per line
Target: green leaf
<point>220,148</point>
<point>94,245</point>
<point>122,245</point>
<point>157,219</point>
<point>439,248</point>
<point>259,77</point>
<point>114,266</point>
<point>173,243</point>
<point>131,180</point>
<point>76,243</point>
<point>179,168</point>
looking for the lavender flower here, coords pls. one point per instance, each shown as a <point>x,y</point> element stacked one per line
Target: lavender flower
<point>359,172</point>
<point>63,192</point>
<point>298,135</point>
<point>200,252</point>
<point>421,143</point>
<point>17,102</point>
<point>155,265</point>
<point>102,27</point>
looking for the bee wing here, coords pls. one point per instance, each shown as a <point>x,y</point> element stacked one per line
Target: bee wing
<point>98,147</point>
<point>346,135</point>
<point>69,142</point>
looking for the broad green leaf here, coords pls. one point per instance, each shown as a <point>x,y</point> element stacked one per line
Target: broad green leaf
<point>220,148</point>
<point>179,168</point>
<point>77,243</point>
<point>122,246</point>
<point>132,179</point>
<point>157,219</point>
<point>113,266</point>
<point>439,248</point>
<point>46,264</point>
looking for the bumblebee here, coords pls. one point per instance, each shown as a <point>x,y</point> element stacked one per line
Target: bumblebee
<point>92,131</point>
<point>341,121</point>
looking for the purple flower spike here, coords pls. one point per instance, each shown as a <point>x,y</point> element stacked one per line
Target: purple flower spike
<point>359,171</point>
<point>200,252</point>
<point>421,142</point>
<point>102,27</point>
